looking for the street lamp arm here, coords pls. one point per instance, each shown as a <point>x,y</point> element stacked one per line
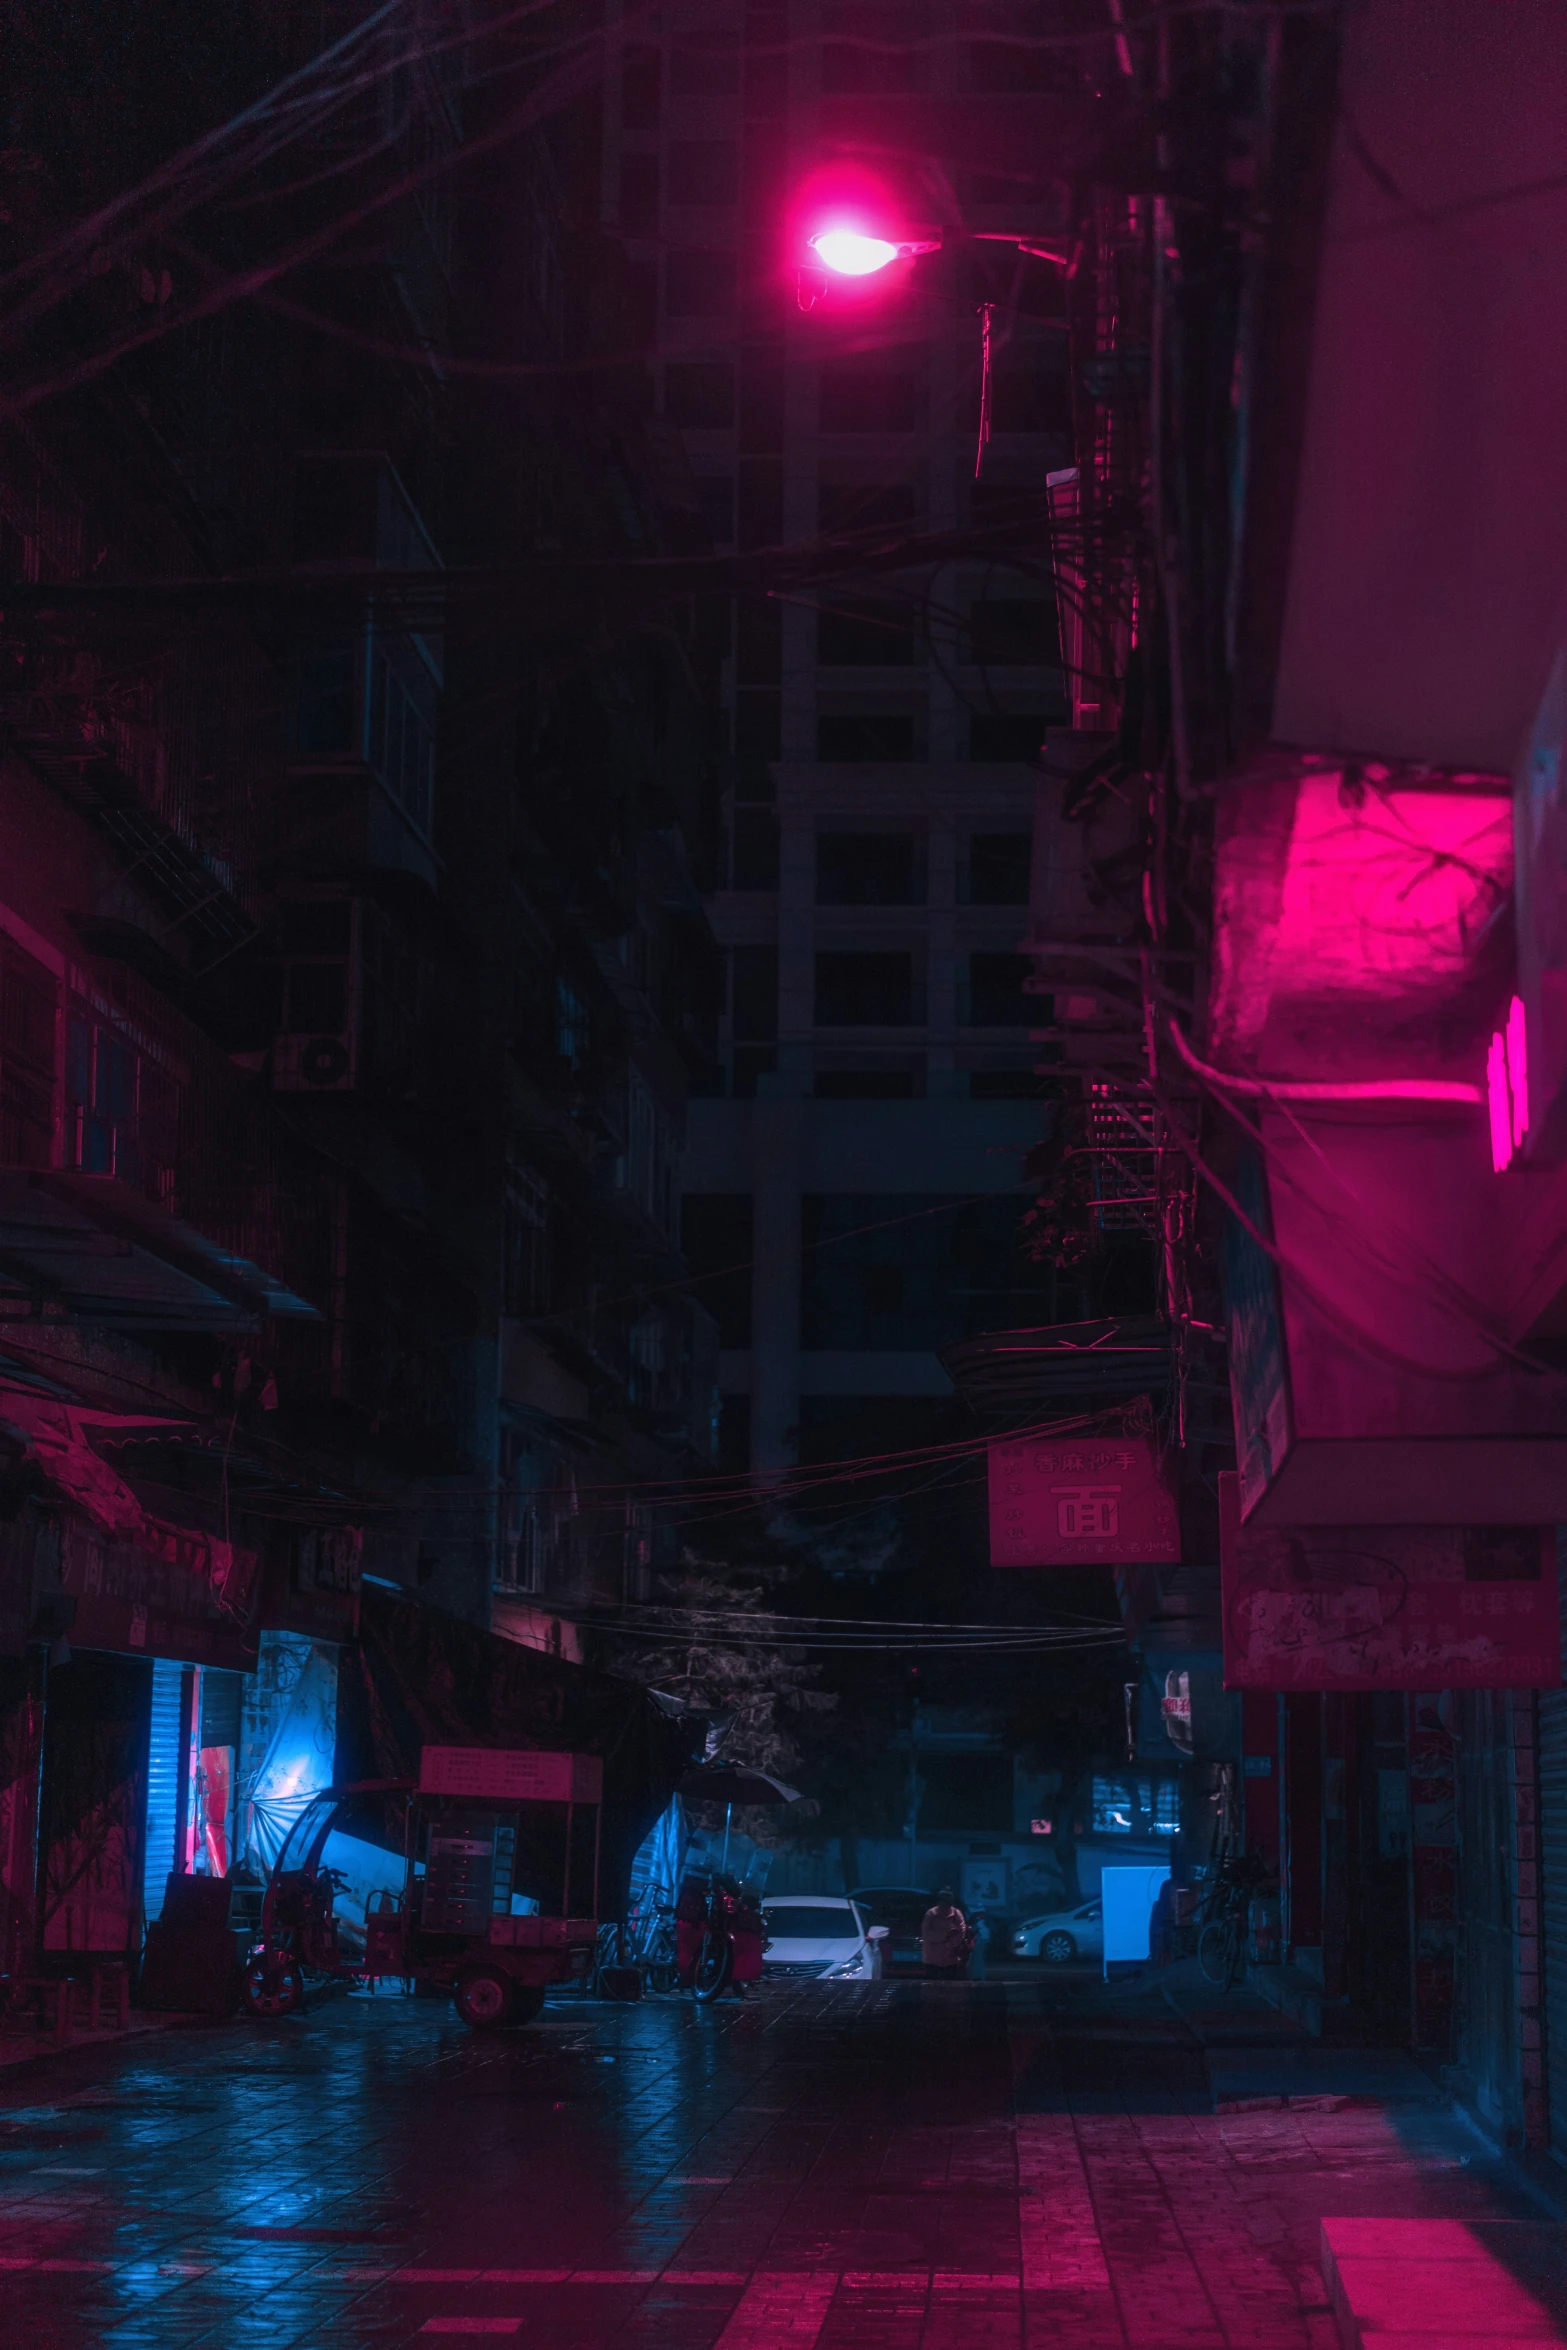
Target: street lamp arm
<point>995,236</point>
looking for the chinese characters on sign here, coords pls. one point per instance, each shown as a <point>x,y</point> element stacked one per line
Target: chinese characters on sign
<point>1387,1607</point>
<point>1059,1502</point>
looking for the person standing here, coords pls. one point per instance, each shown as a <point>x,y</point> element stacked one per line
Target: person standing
<point>944,1937</point>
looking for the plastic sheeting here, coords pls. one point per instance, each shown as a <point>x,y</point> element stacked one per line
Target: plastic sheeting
<point>415,1676</point>
<point>296,1761</point>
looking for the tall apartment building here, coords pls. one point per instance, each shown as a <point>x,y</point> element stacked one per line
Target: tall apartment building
<point>352,967</point>
<point>864,1158</point>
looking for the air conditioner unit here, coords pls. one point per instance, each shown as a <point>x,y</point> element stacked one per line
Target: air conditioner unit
<point>324,1063</point>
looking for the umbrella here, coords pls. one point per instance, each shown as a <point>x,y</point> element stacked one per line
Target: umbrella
<point>732,1783</point>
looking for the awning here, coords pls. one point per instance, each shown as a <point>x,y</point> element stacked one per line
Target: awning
<point>92,1244</point>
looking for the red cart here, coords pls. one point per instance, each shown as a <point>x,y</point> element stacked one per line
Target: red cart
<point>499,1893</point>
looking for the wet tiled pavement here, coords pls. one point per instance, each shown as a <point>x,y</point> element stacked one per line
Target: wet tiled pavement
<point>829,2167</point>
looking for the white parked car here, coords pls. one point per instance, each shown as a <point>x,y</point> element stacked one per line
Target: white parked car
<point>1062,1935</point>
<point>818,1935</point>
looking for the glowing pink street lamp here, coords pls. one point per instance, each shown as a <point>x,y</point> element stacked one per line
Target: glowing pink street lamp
<point>850,252</point>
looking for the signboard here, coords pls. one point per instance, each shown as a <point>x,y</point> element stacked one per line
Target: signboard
<point>1081,1500</point>
<point>166,1591</point>
<point>1184,1711</point>
<point>315,1589</point>
<point>510,1774</point>
<point>1387,1607</point>
<point>1126,1898</point>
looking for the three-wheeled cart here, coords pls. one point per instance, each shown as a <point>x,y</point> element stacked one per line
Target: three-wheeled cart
<point>499,1894</point>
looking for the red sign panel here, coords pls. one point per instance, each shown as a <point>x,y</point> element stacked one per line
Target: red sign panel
<point>511,1774</point>
<point>1387,1607</point>
<point>1080,1500</point>
<point>169,1591</point>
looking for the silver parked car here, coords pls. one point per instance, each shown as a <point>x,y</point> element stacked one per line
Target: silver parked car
<point>818,1935</point>
<point>1062,1935</point>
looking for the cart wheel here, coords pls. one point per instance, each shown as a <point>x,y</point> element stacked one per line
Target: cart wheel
<point>527,2001</point>
<point>662,1976</point>
<point>484,1998</point>
<point>273,1986</point>
<point>714,1966</point>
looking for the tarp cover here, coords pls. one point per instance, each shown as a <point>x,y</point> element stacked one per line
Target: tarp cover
<point>415,1676</point>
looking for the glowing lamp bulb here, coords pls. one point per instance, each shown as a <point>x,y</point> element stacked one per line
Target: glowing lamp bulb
<point>851,253</point>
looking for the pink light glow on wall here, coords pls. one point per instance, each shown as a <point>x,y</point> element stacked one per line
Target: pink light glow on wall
<point>1518,1068</point>
<point>1507,1086</point>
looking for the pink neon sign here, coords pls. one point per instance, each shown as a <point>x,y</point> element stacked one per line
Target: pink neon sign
<point>1507,1086</point>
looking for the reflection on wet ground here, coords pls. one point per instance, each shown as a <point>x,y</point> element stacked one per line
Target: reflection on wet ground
<point>892,2166</point>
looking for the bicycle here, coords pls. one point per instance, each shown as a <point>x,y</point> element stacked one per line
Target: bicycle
<point>1222,1940</point>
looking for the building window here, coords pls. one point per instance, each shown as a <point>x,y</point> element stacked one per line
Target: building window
<point>1015,736</point>
<point>29,1002</point>
<point>699,394</point>
<point>641,87</point>
<point>121,1107</point>
<point>865,636</point>
<point>716,1240</point>
<point>1014,632</point>
<point>639,195</point>
<point>862,736</point>
<point>698,283</point>
<point>526,1272</point>
<point>997,869</point>
<point>1136,1807</point>
<point>649,1167</point>
<point>754,998</point>
<point>1008,1085</point>
<point>869,395</point>
<point>755,848</point>
<point>868,869</point>
<point>994,994</point>
<point>704,171</point>
<point>904,1084</point>
<point>704,65</point>
<point>865,506</point>
<point>858,990</point>
<point>716,497</point>
<point>572,1027</point>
